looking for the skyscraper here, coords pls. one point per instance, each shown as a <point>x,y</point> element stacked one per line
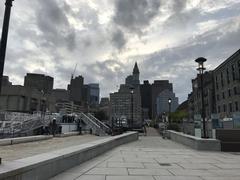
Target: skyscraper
<point>39,81</point>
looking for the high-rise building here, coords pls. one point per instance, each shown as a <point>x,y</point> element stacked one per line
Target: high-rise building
<point>157,87</point>
<point>126,103</point>
<point>39,81</point>
<point>94,92</point>
<point>133,79</point>
<point>163,104</point>
<point>76,89</point>
<point>146,99</point>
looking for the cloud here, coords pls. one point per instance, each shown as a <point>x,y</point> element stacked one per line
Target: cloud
<point>177,63</point>
<point>135,15</point>
<point>54,24</point>
<point>118,39</point>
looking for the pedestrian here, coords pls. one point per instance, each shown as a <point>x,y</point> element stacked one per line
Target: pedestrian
<point>144,128</point>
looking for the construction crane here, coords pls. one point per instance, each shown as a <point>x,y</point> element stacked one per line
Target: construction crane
<point>74,71</point>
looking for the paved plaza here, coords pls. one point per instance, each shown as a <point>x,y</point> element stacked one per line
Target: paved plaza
<point>18,151</point>
<point>154,158</point>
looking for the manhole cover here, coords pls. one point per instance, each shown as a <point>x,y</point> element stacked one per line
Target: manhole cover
<point>164,164</point>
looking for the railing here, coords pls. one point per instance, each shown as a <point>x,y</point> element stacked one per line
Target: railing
<point>21,124</point>
<point>96,128</point>
<point>100,123</point>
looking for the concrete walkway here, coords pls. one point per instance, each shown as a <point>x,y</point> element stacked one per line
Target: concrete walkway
<point>153,158</point>
<point>152,131</point>
<point>18,151</point>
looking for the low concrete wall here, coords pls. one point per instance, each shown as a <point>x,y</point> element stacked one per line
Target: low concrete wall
<point>195,142</point>
<point>47,165</point>
<point>10,141</point>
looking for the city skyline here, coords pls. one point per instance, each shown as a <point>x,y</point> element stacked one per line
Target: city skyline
<point>106,40</point>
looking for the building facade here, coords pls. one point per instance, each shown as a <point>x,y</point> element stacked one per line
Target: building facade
<point>227,86</point>
<point>163,104</point>
<point>127,103</point>
<point>157,87</point>
<point>146,99</point>
<point>39,81</point>
<point>94,92</point>
<point>76,90</point>
<point>17,98</point>
<point>195,99</point>
<point>221,90</point>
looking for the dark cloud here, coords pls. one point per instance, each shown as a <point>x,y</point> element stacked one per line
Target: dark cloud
<point>135,15</point>
<point>118,39</point>
<point>52,21</point>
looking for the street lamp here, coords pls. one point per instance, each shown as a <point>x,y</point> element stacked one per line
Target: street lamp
<point>201,69</point>
<point>3,42</point>
<point>169,109</point>
<point>131,106</point>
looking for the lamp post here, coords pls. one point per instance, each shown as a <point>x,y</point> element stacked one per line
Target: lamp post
<point>169,109</point>
<point>3,45</point>
<point>201,69</point>
<point>131,107</point>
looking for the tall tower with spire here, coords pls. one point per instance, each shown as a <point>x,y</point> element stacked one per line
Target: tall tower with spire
<point>135,75</point>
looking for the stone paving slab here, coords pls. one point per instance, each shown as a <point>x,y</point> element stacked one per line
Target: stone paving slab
<point>129,178</point>
<point>19,151</point>
<point>153,158</point>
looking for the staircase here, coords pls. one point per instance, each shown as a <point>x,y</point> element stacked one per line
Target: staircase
<point>103,126</point>
<point>25,125</point>
<point>94,124</point>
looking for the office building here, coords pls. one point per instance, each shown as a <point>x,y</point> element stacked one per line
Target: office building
<point>146,99</point>
<point>76,90</point>
<point>227,86</point>
<point>94,92</point>
<point>39,81</point>
<point>157,87</point>
<point>163,104</point>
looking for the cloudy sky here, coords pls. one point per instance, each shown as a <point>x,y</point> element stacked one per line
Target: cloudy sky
<point>105,38</point>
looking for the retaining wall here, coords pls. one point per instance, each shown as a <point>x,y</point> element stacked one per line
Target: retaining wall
<point>195,142</point>
<point>47,165</point>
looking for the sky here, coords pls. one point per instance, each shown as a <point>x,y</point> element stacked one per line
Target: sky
<point>106,37</point>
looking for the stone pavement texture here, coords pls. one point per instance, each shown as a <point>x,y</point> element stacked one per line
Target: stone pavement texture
<point>18,151</point>
<point>154,158</point>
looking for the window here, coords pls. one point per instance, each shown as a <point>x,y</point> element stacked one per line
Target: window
<point>224,108</point>
<point>235,90</point>
<point>238,70</point>
<point>218,97</point>
<point>219,109</point>
<point>230,107</point>
<point>229,93</point>
<point>222,79</point>
<point>223,95</point>
<point>228,79</point>
<point>233,73</point>
<point>216,83</point>
<point>236,106</point>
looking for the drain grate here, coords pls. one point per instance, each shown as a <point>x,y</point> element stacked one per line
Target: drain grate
<point>164,164</point>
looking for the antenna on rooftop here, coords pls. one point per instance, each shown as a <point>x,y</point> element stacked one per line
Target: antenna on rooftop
<point>74,71</point>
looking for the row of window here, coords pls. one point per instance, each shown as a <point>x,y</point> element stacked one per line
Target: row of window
<point>228,79</point>
<point>232,107</point>
<point>229,93</point>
